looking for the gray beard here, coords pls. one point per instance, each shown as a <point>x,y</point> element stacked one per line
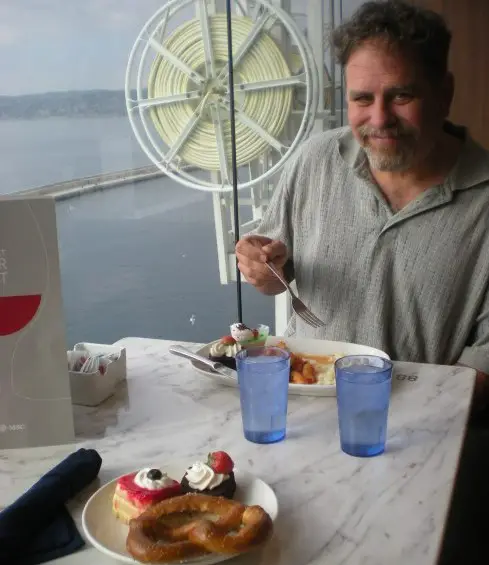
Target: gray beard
<point>389,163</point>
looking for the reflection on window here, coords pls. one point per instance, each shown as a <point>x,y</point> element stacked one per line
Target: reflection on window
<point>142,253</point>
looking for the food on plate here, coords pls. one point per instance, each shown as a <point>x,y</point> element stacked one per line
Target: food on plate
<point>136,492</point>
<point>247,337</point>
<point>224,351</point>
<point>196,524</point>
<point>306,368</point>
<point>214,477</point>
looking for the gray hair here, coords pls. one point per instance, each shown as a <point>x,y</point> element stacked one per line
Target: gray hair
<point>420,33</point>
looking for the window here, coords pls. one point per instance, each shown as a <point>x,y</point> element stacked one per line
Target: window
<point>141,254</point>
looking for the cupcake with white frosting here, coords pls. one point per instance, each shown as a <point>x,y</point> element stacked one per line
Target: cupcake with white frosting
<point>224,351</point>
<point>215,477</point>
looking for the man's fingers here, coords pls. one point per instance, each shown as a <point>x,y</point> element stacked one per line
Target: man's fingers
<point>251,249</point>
<point>251,254</point>
<point>253,241</point>
<point>254,273</point>
<point>260,248</point>
<point>256,267</point>
<point>257,240</point>
<point>275,250</point>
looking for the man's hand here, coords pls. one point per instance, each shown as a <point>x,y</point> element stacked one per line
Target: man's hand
<point>252,253</point>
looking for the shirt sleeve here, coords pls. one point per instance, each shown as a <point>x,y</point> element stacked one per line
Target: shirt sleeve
<point>476,352</point>
<point>277,220</point>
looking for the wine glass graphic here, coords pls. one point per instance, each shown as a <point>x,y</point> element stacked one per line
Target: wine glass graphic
<point>17,311</point>
<point>31,316</point>
<point>35,394</point>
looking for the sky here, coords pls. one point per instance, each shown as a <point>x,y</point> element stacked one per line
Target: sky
<point>52,45</point>
<point>48,45</point>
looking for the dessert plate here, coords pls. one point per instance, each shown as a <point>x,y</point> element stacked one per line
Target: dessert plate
<point>304,346</point>
<point>107,534</point>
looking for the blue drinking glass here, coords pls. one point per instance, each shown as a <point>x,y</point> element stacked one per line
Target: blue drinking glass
<point>263,377</point>
<point>363,387</point>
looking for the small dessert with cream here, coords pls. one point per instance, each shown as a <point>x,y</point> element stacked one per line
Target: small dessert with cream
<point>215,477</point>
<point>136,492</point>
<point>224,351</point>
<point>247,337</point>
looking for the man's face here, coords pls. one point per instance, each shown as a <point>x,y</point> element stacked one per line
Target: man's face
<point>394,112</point>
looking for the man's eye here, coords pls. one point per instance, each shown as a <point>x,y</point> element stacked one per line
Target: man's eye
<point>403,97</point>
<point>363,100</point>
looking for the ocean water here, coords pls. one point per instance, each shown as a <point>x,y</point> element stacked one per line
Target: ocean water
<point>137,260</point>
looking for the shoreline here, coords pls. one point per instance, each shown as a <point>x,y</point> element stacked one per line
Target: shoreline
<point>86,185</point>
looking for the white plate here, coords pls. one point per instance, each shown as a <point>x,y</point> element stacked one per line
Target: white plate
<point>105,532</point>
<point>298,345</point>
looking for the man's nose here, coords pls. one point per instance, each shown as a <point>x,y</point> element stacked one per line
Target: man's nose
<point>380,114</point>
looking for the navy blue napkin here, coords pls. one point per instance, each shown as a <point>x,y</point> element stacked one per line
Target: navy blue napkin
<point>37,527</point>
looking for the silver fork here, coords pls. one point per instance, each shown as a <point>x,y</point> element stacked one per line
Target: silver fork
<point>299,307</point>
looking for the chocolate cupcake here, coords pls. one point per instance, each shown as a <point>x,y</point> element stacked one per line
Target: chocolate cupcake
<point>215,477</point>
<point>224,351</point>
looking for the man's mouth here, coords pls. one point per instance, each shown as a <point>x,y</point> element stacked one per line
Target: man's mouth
<point>385,136</point>
<point>384,139</point>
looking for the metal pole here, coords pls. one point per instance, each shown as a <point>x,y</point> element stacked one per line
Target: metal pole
<point>333,63</point>
<point>342,89</point>
<point>233,152</point>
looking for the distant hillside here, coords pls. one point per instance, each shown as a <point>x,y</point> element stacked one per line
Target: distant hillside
<point>70,104</point>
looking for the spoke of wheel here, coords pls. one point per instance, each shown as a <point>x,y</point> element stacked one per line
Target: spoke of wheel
<point>194,75</point>
<point>223,162</point>
<point>247,43</point>
<point>207,40</point>
<point>184,135</point>
<point>145,103</point>
<point>249,122</point>
<point>297,80</point>
<point>254,11</point>
<point>159,33</point>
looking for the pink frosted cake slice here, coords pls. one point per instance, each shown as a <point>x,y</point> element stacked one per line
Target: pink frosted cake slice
<point>136,492</point>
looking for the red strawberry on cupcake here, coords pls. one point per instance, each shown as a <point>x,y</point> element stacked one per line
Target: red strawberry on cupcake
<point>224,351</point>
<point>220,462</point>
<point>215,477</point>
<point>228,340</point>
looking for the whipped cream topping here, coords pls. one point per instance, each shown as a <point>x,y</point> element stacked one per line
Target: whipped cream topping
<point>200,477</point>
<point>141,480</point>
<point>220,349</point>
<point>241,333</point>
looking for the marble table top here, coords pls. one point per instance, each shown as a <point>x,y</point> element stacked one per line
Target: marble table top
<point>333,508</point>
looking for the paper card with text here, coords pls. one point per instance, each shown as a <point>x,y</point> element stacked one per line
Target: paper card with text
<point>35,402</point>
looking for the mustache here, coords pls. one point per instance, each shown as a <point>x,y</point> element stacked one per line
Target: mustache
<point>397,131</point>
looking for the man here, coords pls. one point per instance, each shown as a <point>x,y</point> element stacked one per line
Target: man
<point>383,224</point>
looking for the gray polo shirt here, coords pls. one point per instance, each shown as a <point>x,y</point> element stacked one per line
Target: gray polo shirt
<point>413,283</point>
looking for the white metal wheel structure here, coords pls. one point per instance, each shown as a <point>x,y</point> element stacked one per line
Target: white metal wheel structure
<point>177,92</point>
<point>177,100</point>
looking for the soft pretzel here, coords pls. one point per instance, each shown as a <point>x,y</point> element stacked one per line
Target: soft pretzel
<point>153,538</point>
<point>256,526</point>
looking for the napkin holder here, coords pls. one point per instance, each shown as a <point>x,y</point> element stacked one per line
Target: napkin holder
<point>91,389</point>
